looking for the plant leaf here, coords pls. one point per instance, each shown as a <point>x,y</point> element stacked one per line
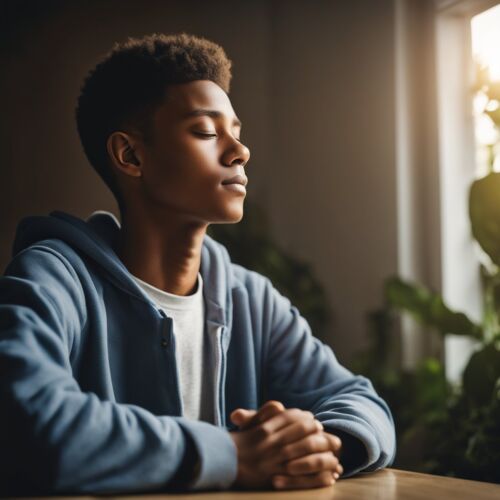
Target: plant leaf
<point>484,212</point>
<point>429,308</point>
<point>481,375</point>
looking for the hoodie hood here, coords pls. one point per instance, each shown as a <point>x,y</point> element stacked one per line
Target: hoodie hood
<point>93,239</point>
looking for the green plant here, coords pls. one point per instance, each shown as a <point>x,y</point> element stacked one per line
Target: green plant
<point>462,422</point>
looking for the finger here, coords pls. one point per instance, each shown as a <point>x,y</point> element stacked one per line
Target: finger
<point>340,469</point>
<point>282,419</point>
<point>336,447</point>
<point>335,443</point>
<point>266,411</point>
<point>309,464</point>
<point>296,431</point>
<point>272,403</point>
<point>314,443</point>
<point>249,418</point>
<point>241,416</point>
<point>318,480</point>
<point>269,410</point>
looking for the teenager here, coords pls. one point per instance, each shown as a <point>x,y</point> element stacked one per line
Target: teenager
<point>134,355</point>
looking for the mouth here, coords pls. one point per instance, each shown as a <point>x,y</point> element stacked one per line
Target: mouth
<point>236,187</point>
<point>236,184</point>
<point>239,180</point>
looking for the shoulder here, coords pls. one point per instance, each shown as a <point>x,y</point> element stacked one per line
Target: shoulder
<point>45,257</point>
<point>238,275</point>
<point>251,280</point>
<point>49,266</point>
<point>263,296</point>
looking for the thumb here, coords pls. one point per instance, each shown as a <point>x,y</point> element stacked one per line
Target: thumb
<point>241,416</point>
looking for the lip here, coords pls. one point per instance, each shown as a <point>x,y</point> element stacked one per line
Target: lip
<point>237,179</point>
<point>236,187</point>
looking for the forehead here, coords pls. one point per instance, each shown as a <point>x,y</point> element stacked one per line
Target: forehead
<point>182,99</point>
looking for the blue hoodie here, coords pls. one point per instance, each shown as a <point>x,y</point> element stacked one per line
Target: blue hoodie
<point>89,395</point>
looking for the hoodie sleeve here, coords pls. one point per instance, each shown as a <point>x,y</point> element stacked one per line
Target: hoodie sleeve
<point>54,437</point>
<point>303,372</point>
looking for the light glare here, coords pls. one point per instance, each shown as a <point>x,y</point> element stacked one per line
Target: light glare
<point>486,40</point>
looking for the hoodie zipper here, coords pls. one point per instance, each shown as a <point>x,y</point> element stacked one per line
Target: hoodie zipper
<point>168,340</point>
<point>218,378</point>
<point>222,378</point>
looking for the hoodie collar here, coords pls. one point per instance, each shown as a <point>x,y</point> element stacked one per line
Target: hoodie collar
<point>94,239</point>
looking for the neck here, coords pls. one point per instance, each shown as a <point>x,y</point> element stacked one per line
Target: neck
<point>162,249</point>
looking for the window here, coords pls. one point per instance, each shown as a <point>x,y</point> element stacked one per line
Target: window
<point>464,30</point>
<point>485,38</point>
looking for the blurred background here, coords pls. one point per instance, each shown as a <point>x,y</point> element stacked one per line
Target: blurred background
<point>372,202</point>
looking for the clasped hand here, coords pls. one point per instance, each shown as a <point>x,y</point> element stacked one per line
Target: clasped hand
<point>284,449</point>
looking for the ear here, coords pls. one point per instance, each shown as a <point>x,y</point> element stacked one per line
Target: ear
<point>125,154</point>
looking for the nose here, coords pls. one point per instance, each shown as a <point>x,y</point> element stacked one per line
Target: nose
<point>237,153</point>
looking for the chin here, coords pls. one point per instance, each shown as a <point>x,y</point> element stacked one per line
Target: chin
<point>230,217</point>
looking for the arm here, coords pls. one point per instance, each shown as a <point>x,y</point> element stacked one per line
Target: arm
<point>56,438</point>
<point>303,372</point>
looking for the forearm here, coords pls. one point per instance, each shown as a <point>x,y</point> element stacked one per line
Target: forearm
<point>364,423</point>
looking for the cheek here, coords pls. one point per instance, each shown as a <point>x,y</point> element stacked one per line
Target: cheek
<point>183,154</point>
<point>177,168</point>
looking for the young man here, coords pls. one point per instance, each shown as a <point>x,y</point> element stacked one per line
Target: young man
<point>134,355</point>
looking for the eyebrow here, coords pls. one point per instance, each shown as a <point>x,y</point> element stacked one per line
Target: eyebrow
<point>212,113</point>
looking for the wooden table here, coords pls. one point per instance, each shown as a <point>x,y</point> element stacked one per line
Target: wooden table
<point>388,484</point>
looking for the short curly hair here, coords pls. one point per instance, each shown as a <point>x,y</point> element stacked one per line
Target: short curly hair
<point>130,83</point>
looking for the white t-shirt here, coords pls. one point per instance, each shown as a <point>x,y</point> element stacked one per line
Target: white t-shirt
<point>188,313</point>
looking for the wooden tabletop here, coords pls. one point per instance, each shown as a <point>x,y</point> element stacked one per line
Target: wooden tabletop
<point>387,484</point>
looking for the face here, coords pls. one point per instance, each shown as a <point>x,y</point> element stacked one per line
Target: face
<point>195,149</point>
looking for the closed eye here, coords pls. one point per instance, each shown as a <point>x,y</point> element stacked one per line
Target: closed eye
<point>207,135</point>
<point>204,134</point>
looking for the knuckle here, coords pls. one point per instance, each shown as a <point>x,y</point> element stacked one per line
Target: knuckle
<point>327,462</point>
<point>293,414</point>
<point>307,466</point>
<point>320,462</point>
<point>305,426</point>
<point>323,443</point>
<point>287,453</point>
<point>316,463</point>
<point>264,431</point>
<point>309,415</point>
<point>308,444</point>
